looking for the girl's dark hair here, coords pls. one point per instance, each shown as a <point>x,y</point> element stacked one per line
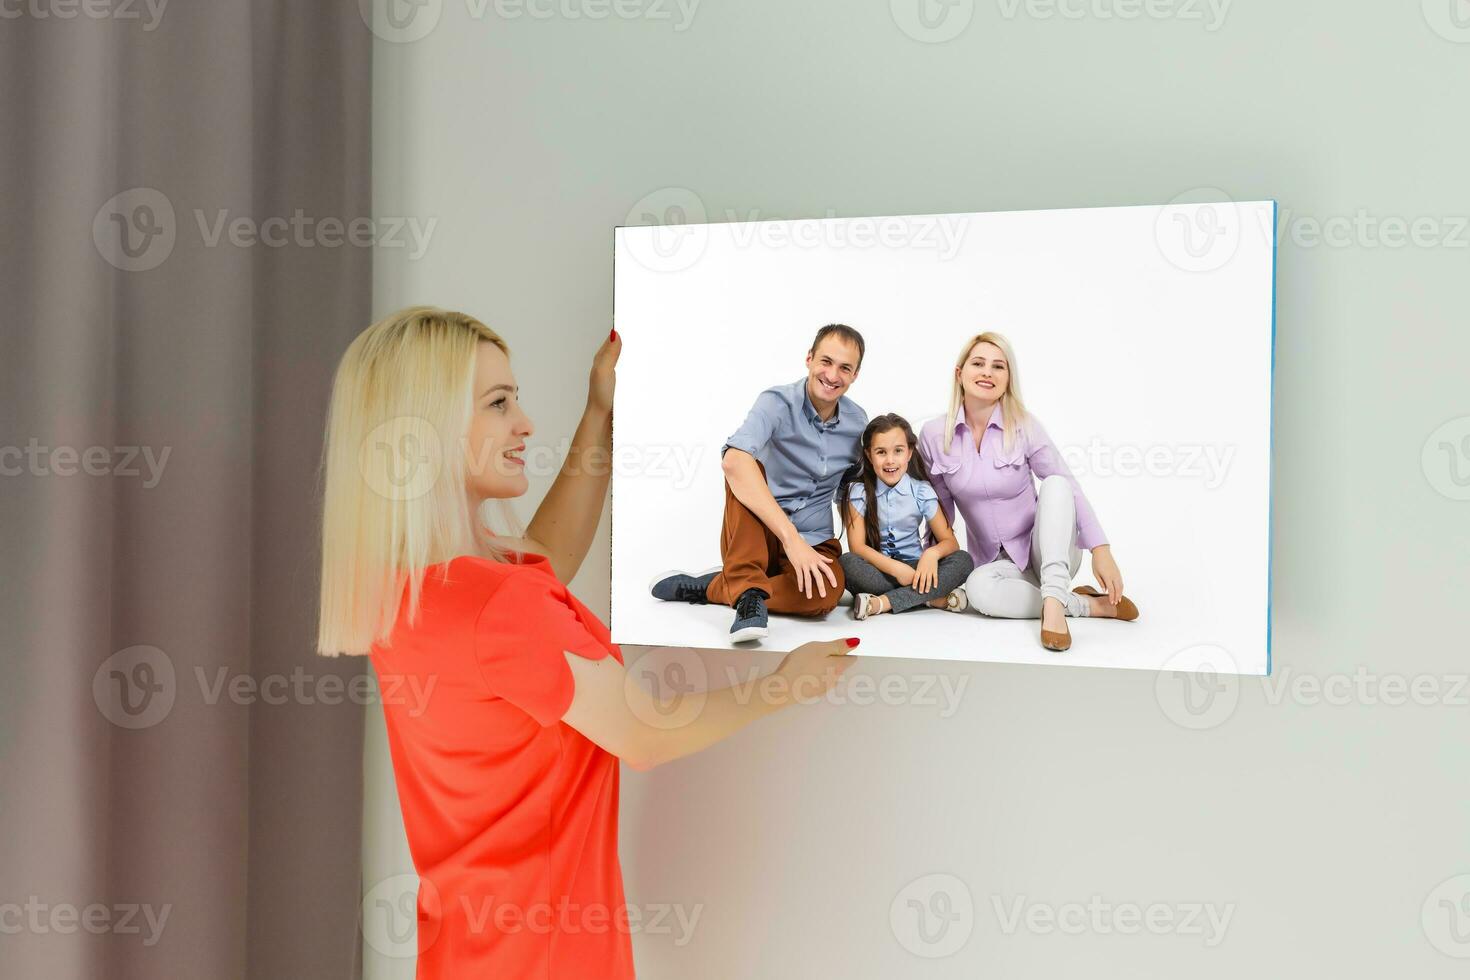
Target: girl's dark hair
<point>869,477</point>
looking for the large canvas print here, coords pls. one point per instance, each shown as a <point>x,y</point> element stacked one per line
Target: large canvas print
<point>1032,437</point>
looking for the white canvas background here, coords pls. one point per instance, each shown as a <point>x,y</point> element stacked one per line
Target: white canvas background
<point>1148,363</point>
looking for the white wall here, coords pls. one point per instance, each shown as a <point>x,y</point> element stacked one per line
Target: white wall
<point>1329,832</point>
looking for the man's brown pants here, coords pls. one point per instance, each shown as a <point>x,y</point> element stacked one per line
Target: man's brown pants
<point>754,559</point>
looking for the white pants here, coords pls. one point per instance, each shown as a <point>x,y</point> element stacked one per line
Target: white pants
<point>1000,588</point>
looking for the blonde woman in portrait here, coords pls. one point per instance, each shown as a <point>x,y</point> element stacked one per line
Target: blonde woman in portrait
<point>1026,518</point>
<point>507,772</point>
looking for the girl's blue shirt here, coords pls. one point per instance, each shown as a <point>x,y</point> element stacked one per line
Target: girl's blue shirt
<point>904,510</point>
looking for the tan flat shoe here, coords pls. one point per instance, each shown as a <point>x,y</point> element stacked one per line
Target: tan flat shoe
<point>1127,611</point>
<point>1060,642</point>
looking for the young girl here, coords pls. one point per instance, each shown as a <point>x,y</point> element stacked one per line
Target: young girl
<point>888,569</point>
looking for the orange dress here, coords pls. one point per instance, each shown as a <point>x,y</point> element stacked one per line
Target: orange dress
<point>512,816</point>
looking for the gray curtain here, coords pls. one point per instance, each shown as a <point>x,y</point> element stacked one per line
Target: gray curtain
<point>180,776</point>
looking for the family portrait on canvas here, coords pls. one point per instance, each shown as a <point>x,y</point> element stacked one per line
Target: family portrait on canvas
<point>808,445</point>
<point>1046,443</point>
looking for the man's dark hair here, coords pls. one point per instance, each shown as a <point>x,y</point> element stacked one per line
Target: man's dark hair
<point>843,331</point>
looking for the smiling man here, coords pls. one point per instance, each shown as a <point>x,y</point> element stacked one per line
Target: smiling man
<point>782,466</point>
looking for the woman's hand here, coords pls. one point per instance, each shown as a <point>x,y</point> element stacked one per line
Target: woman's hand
<point>926,573</point>
<point>1105,570</point>
<point>812,669</point>
<point>904,572</point>
<point>600,384</point>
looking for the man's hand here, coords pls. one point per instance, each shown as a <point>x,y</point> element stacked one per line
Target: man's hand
<point>810,568</point>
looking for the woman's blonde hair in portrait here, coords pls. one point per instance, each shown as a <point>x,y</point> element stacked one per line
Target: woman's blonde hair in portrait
<point>395,500</point>
<point>1012,409</point>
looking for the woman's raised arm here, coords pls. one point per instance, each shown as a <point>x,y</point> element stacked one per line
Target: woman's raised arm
<point>567,519</point>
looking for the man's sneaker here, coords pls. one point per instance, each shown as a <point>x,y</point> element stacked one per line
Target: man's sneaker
<point>682,587</point>
<point>750,617</point>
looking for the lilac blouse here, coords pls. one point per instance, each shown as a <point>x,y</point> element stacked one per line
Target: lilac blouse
<point>996,488</point>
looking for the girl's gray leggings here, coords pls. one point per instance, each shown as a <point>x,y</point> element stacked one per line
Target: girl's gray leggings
<point>862,576</point>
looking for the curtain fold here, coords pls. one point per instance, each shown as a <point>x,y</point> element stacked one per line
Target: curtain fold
<point>180,776</point>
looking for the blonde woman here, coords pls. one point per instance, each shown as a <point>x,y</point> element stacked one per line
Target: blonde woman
<point>507,767</point>
<point>1026,517</point>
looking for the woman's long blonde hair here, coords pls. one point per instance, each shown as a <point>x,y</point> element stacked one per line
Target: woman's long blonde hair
<point>1012,409</point>
<point>395,500</point>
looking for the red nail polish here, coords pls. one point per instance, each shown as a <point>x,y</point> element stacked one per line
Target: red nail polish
<point>852,641</point>
<point>612,337</point>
